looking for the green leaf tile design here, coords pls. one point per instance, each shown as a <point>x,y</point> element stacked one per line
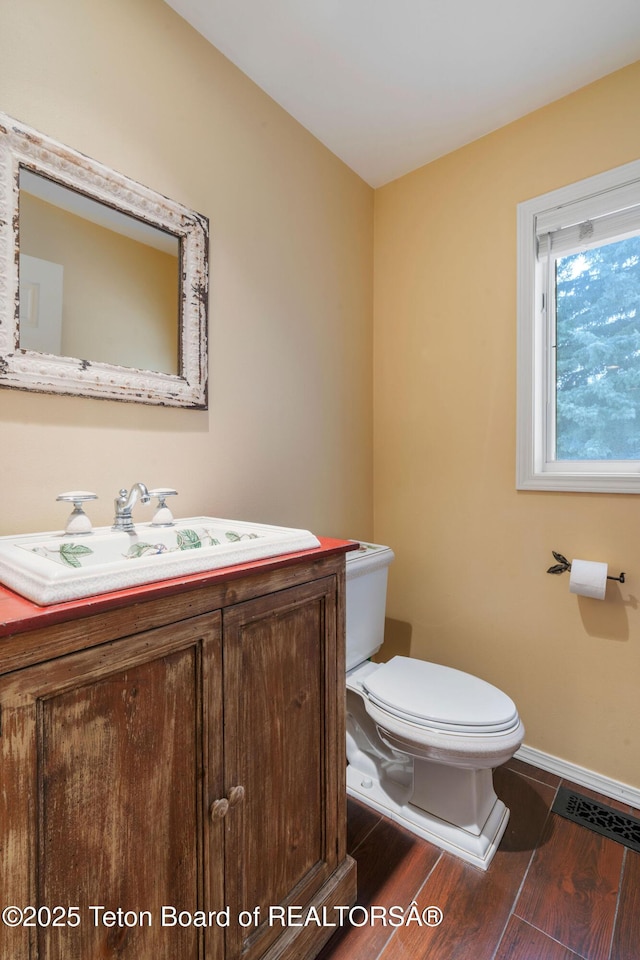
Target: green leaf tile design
<point>144,549</point>
<point>188,540</point>
<point>73,554</point>
<point>70,553</point>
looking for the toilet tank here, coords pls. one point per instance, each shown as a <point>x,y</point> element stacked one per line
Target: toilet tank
<point>366,573</point>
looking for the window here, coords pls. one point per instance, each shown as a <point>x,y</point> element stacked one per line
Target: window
<point>579,336</point>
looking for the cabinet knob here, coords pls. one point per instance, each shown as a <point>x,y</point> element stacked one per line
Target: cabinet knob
<point>219,809</point>
<point>236,796</point>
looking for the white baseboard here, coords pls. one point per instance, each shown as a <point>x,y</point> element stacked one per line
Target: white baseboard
<point>580,775</point>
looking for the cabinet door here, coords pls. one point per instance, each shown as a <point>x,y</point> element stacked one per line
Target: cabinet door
<point>107,781</point>
<point>280,748</point>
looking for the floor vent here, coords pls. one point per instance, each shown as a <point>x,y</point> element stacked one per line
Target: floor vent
<point>597,817</point>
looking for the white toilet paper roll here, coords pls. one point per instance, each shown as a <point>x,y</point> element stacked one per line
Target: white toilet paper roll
<point>588,578</point>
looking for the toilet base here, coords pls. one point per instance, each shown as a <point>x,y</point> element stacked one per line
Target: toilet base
<point>393,802</point>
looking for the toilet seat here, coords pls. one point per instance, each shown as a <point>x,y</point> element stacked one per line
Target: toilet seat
<point>440,698</point>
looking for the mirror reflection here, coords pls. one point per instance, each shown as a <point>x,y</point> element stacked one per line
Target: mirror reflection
<point>94,282</point>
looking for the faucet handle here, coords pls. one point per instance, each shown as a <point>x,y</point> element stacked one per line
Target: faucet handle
<point>78,523</point>
<point>163,516</point>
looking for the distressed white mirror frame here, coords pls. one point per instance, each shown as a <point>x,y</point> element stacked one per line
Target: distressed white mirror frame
<point>24,148</point>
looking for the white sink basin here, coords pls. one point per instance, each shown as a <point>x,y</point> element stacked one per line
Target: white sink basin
<point>54,567</point>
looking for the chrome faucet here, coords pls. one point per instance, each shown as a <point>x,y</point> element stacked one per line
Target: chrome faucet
<point>124,505</point>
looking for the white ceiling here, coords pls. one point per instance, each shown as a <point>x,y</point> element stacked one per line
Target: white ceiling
<point>389,85</point>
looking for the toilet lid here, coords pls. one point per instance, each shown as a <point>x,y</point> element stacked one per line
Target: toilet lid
<point>440,697</point>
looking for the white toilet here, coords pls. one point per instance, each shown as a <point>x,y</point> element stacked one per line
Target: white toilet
<point>422,739</point>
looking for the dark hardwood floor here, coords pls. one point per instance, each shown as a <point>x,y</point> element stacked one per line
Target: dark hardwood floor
<point>554,891</point>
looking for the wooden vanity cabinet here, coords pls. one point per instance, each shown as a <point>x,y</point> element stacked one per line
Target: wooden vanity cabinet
<point>174,771</point>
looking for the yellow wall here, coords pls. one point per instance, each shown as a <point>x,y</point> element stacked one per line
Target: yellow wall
<point>288,434</point>
<point>472,551</point>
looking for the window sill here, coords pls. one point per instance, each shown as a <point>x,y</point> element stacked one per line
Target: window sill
<point>578,481</point>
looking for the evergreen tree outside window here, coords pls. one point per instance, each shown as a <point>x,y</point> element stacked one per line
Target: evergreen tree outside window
<point>597,380</point>
<point>579,336</point>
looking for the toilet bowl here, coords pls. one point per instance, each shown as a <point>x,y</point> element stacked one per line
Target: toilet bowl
<point>422,738</point>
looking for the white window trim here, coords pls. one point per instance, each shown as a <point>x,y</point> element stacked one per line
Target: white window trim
<point>534,469</point>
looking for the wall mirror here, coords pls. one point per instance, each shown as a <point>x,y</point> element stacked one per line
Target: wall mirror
<point>103,282</point>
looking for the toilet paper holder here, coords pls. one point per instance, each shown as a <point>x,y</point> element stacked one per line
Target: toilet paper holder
<point>563,564</point>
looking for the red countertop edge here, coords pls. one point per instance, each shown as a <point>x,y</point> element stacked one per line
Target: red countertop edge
<point>19,615</point>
